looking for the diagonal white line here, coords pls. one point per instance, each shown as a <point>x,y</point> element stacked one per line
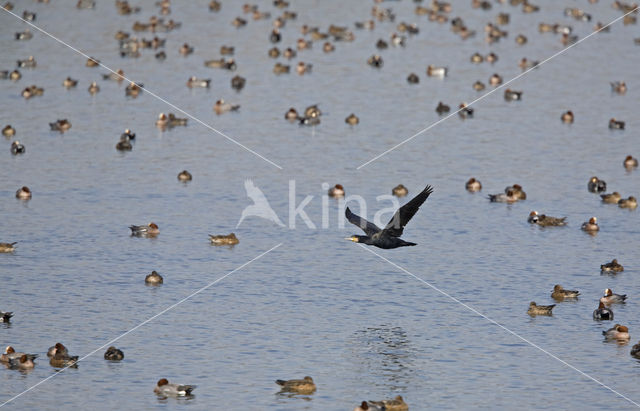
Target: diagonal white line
<point>500,325</point>
<point>492,91</point>
<point>147,90</point>
<point>145,322</point>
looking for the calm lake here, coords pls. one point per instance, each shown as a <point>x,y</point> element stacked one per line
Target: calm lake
<point>318,305</point>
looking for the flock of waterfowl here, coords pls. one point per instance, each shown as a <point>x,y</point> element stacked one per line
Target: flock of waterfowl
<point>515,193</point>
<point>130,46</point>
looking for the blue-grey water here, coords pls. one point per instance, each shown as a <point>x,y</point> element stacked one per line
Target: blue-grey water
<point>318,305</point>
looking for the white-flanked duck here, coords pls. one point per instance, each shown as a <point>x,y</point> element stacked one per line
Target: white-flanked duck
<point>617,332</point>
<point>149,230</point>
<point>611,298</point>
<point>163,387</point>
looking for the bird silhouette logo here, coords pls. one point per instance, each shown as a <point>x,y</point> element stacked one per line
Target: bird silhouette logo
<point>260,207</point>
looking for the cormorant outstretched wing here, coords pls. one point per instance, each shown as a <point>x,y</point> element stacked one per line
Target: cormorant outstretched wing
<point>405,213</point>
<point>369,228</point>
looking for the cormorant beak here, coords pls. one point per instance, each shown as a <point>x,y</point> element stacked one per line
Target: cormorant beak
<point>354,239</point>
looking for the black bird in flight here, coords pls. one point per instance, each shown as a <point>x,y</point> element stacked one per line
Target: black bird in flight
<point>389,236</point>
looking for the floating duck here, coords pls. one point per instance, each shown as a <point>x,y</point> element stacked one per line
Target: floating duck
<point>617,332</point>
<point>24,35</point>
<point>24,362</point>
<point>221,107</point>
<point>113,354</point>
<point>602,313</point>
<point>517,190</point>
<point>11,354</point>
<point>93,88</point>
<point>60,125</point>
<point>23,193</point>
<point>27,63</point>
<point>303,386</point>
<point>92,62</point>
<point>545,221</point>
<point>630,203</point>
<point>567,117</point>
<point>596,185</point>
<point>495,80</point>
<point>196,82</point>
<point>611,298</point>
<point>521,39</point>
<point>17,148</point>
<point>618,87</point>
<point>133,89</point>
<point>616,124</point>
<point>442,108</point>
<point>591,225</point>
<point>375,61</point>
<point>124,144</point>
<point>512,95</point>
<point>162,121</point>
<point>612,198</point>
<point>352,119</point>
<point>303,68</point>
<point>433,71</point>
<point>186,49</point>
<point>560,293</point>
<point>153,278</point>
<point>396,404</point>
<point>229,239</point>
<point>8,131</point>
<point>280,68</point>
<point>630,162</point>
<point>165,388</point>
<point>473,185</point>
<point>61,357</point>
<point>238,82</point>
<point>400,191</point>
<point>535,309</point>
<point>176,121</point>
<point>291,115</point>
<point>289,53</point>
<point>612,267</point>
<point>336,191</point>
<point>508,197</point>
<point>226,64</point>
<point>184,175</point>
<point>32,91</point>
<point>7,248</point>
<point>69,83</point>
<point>526,64</point>
<point>149,230</point>
<point>464,111</point>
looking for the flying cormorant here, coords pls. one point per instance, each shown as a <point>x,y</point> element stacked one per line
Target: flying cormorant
<point>389,236</point>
